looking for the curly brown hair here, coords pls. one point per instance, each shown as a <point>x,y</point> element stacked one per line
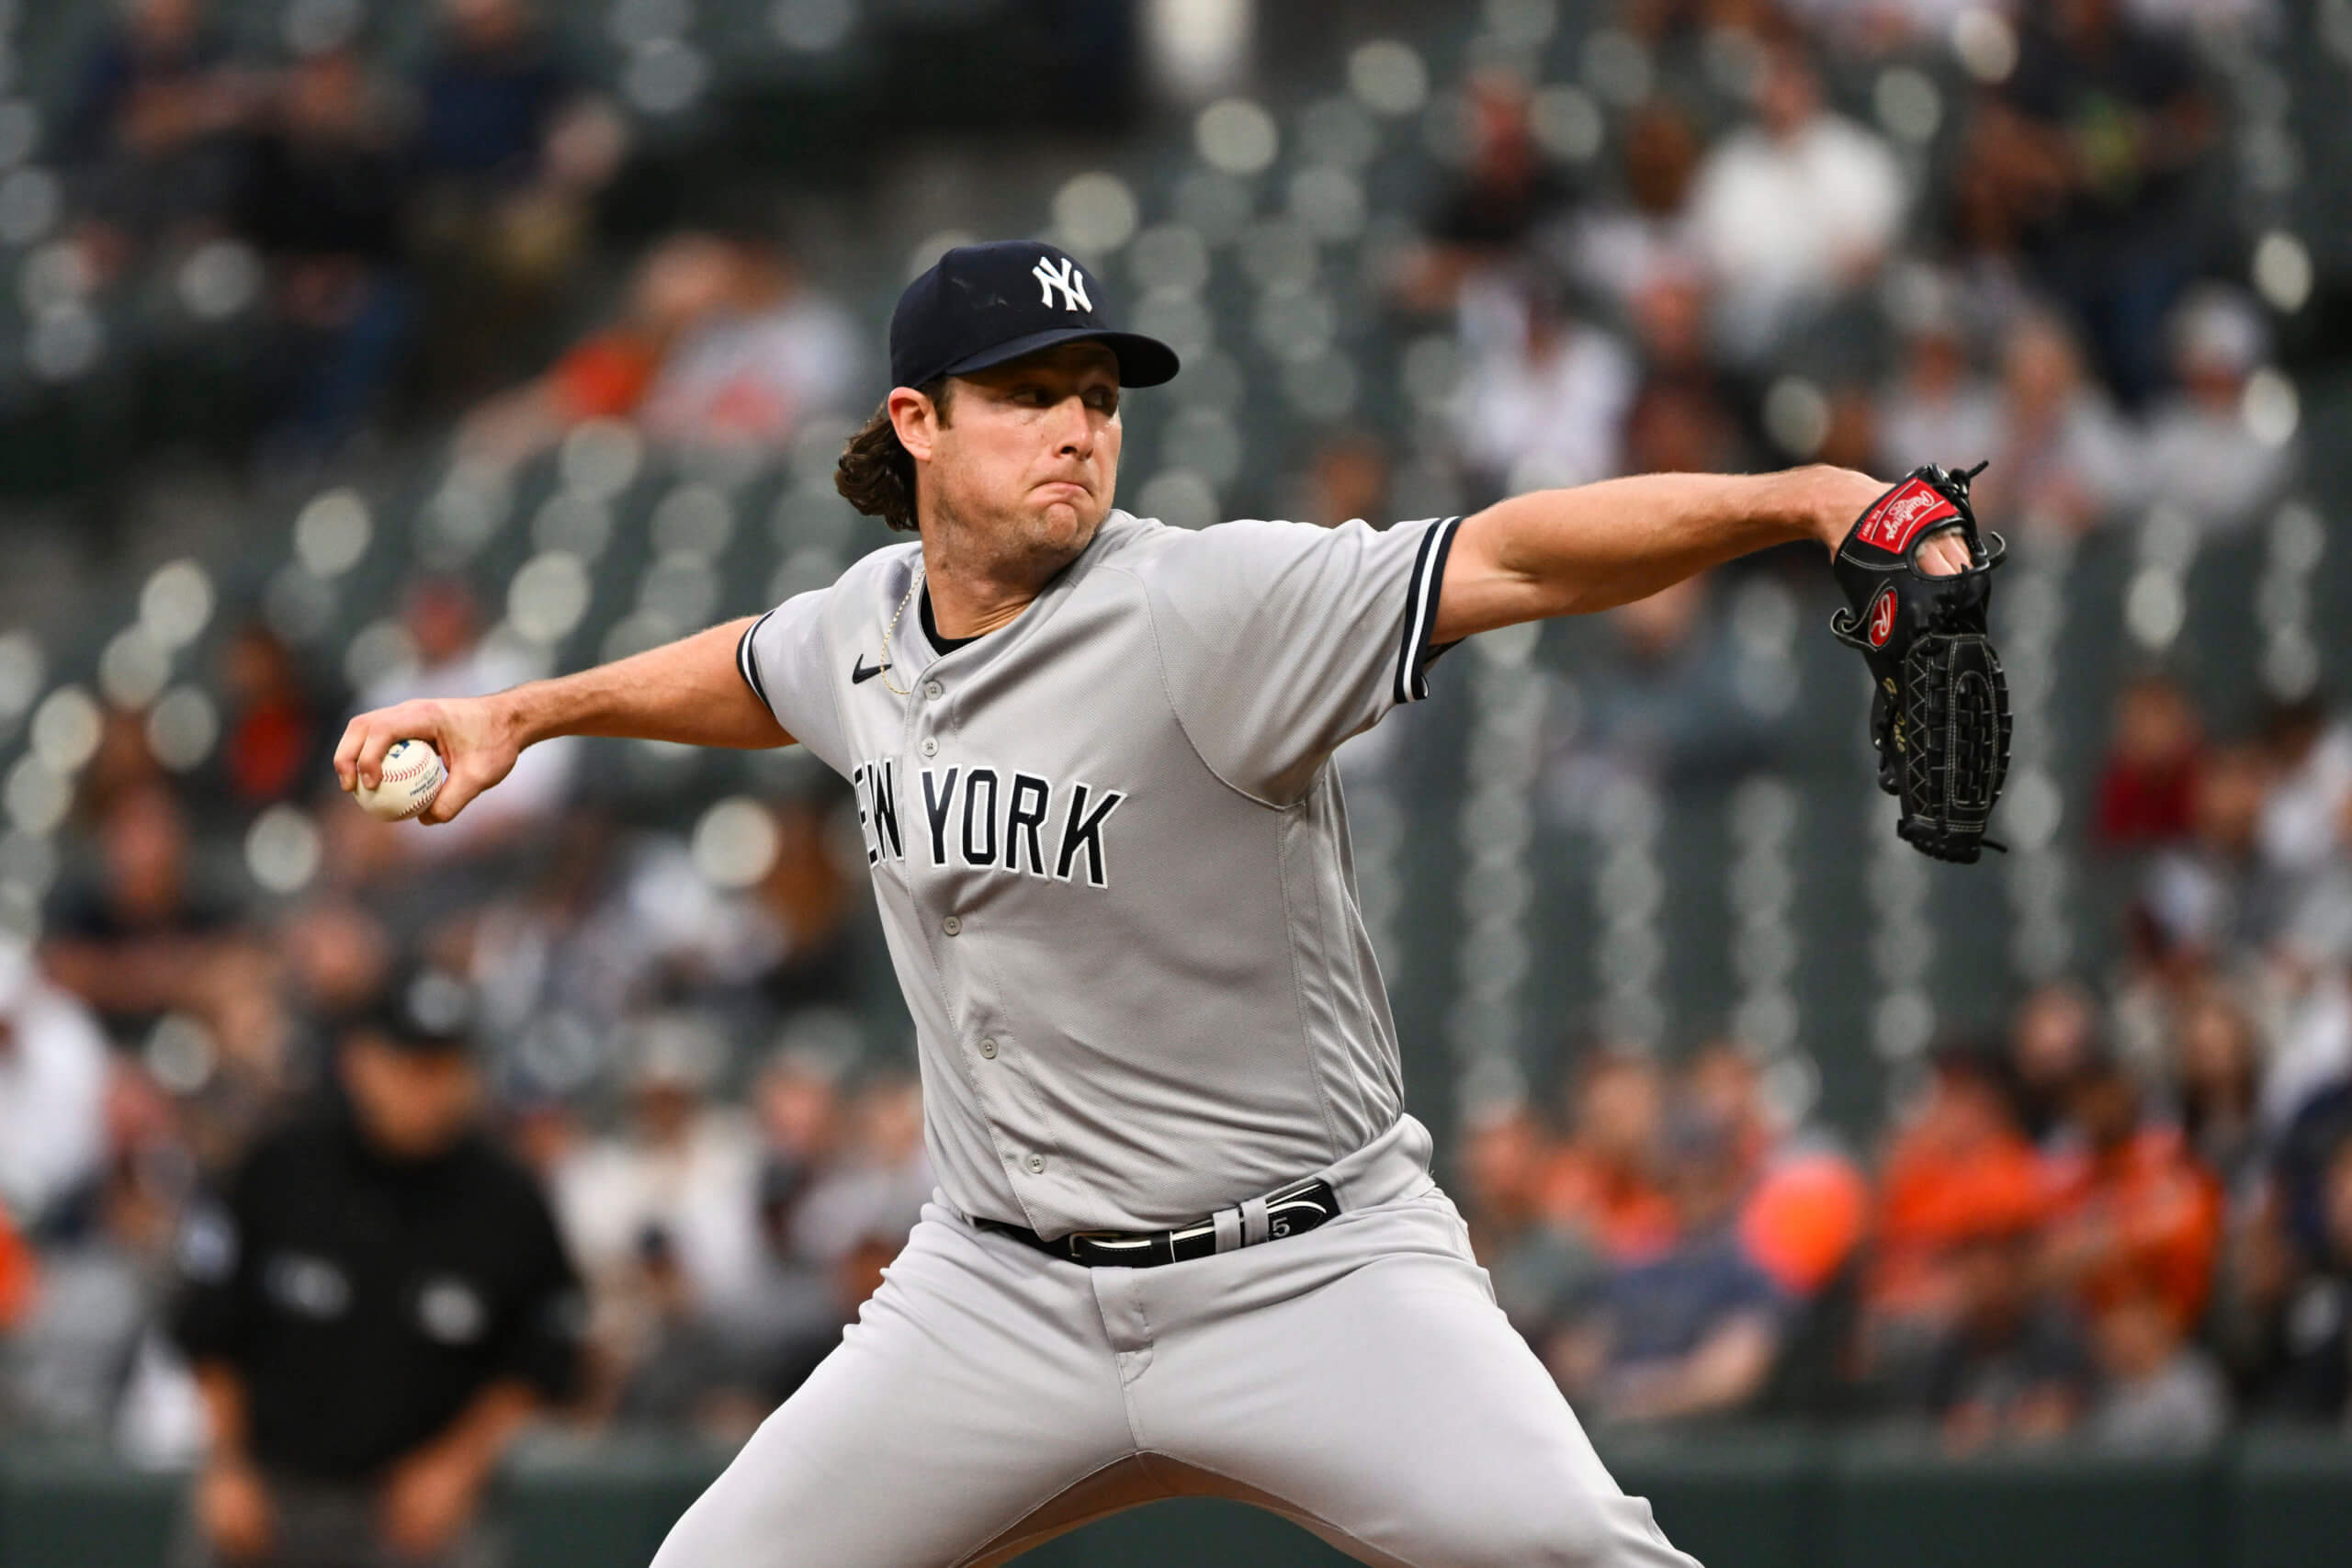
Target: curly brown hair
<point>877,474</point>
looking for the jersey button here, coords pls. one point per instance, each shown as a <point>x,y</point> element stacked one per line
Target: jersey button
<point>931,746</point>
<point>1036,1165</point>
<point>953,925</point>
<point>988,1048</point>
<point>933,690</point>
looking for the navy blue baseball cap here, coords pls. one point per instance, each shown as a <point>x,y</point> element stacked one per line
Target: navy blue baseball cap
<point>982,305</point>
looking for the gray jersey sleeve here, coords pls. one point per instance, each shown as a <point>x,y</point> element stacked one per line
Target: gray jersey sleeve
<point>783,658</point>
<point>1281,640</point>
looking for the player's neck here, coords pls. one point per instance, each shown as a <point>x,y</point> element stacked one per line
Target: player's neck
<point>974,590</point>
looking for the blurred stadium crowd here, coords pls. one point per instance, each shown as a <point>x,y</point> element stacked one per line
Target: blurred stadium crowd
<point>1666,234</point>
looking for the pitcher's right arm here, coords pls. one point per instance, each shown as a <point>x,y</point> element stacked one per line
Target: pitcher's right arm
<point>691,690</point>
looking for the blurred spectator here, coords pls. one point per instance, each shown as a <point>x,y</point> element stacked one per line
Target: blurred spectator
<point>152,131</point>
<point>774,354</point>
<point>2131,1212</point>
<point>713,330</point>
<point>53,1085</point>
<point>1505,189</point>
<point>801,943</point>
<point>686,1167</point>
<point>2313,1375</point>
<point>336,958</point>
<point>2216,1070</point>
<point>872,1197</point>
<point>454,659</point>
<point>794,1316</point>
<point>1693,1331</point>
<point>797,1099</point>
<point>89,1364</point>
<point>2092,142</point>
<point>140,940</point>
<point>1940,401</point>
<point>1620,251</point>
<point>324,204</point>
<point>688,1375</point>
<point>1544,399</point>
<point>1792,212</point>
<point>1602,1184</point>
<point>2202,898</point>
<point>512,152</point>
<point>1681,420</point>
<point>2052,1038</point>
<point>2060,459</point>
<point>377,1305</point>
<point>274,745</point>
<point>2306,827</point>
<point>1346,479</point>
<point>1544,1277</point>
<point>1804,1205</point>
<point>2013,1366</point>
<point>2158,1394</point>
<point>1958,1170</point>
<point>2202,455</point>
<point>2148,779</point>
<point>1675,706</point>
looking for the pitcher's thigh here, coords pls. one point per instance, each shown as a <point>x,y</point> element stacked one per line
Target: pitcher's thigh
<point>968,1394</point>
<point>1396,1406</point>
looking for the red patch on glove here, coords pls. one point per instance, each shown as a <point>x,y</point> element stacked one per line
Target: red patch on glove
<point>1908,511</point>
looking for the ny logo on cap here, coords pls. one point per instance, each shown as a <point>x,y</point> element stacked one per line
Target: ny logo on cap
<point>1065,277</point>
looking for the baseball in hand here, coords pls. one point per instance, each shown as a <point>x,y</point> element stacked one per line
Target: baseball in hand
<point>410,778</point>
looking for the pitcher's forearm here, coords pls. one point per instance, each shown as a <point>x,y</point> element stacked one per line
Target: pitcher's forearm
<point>688,691</point>
<point>1566,552</point>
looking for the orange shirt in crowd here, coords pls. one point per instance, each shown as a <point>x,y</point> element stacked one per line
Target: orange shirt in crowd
<point>1936,1194</point>
<point>15,1275</point>
<point>1621,1212</point>
<point>604,377</point>
<point>2142,1218</point>
<point>1803,1218</point>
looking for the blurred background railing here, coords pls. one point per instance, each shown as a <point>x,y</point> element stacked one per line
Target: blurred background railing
<point>1749,1497</point>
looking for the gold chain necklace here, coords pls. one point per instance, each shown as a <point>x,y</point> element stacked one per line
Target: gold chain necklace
<point>891,630</point>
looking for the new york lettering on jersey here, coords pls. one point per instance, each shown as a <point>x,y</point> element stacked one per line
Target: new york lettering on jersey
<point>990,819</point>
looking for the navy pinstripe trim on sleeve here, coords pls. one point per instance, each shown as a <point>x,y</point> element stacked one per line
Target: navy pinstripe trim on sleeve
<point>1410,683</point>
<point>750,667</point>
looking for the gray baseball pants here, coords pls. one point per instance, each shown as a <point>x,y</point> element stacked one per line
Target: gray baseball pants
<point>1358,1380</point>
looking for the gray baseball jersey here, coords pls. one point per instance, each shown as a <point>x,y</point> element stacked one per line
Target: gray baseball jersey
<point>1112,859</point>
<point>1112,864</point>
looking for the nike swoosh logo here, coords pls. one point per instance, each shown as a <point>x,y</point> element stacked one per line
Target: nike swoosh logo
<point>860,672</point>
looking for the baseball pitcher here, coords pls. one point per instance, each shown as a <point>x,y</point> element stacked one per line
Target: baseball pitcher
<point>1186,1240</point>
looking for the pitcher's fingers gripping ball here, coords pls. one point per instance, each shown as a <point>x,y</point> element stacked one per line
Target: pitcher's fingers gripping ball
<point>406,782</point>
<point>1939,704</point>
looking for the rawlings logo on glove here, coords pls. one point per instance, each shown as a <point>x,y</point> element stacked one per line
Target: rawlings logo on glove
<point>1940,706</point>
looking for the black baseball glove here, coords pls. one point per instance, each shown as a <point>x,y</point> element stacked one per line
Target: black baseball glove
<point>1940,707</point>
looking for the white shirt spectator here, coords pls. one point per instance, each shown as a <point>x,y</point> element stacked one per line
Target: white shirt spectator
<point>2301,814</point>
<point>1786,222</point>
<point>2205,461</point>
<point>52,1088</point>
<point>1544,396</point>
<point>701,1192</point>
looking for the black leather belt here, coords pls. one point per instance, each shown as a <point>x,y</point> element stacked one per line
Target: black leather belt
<point>1287,1211</point>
